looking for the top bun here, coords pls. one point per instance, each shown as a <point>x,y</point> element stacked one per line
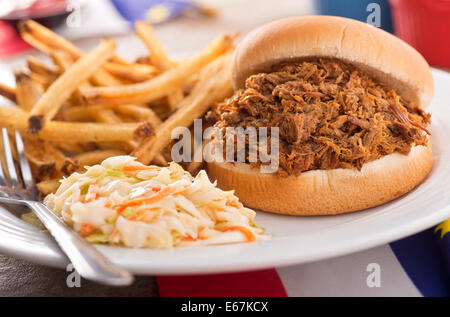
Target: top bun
<point>383,56</point>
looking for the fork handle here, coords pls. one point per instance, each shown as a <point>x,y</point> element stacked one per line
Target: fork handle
<point>86,259</point>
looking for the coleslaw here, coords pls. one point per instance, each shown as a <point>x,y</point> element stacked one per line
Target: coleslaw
<point>123,202</point>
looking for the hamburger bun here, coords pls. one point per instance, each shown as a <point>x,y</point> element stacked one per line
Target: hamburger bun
<point>327,192</point>
<point>382,55</point>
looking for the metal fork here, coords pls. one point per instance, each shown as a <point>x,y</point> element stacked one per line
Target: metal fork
<point>87,261</point>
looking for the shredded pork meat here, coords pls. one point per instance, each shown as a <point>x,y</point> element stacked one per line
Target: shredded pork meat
<point>329,114</point>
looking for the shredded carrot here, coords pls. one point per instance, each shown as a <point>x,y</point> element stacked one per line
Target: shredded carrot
<point>199,231</point>
<point>148,238</point>
<point>134,168</point>
<point>133,218</point>
<point>149,200</point>
<point>114,234</point>
<point>188,238</point>
<point>232,203</point>
<point>108,204</point>
<point>86,228</point>
<point>156,189</point>
<point>245,231</point>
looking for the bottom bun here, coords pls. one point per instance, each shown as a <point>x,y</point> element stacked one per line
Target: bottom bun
<point>326,192</point>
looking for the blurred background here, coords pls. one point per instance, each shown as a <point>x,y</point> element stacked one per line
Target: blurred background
<point>185,25</point>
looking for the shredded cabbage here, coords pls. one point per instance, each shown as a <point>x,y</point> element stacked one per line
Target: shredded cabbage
<point>123,202</point>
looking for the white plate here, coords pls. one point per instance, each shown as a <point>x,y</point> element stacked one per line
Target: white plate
<point>295,239</point>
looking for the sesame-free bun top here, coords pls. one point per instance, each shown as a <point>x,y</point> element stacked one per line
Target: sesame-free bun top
<point>382,55</point>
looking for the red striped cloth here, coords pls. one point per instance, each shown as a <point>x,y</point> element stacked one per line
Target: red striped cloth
<point>265,283</point>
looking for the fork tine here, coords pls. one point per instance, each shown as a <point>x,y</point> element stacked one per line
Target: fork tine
<point>14,180</point>
<point>23,162</point>
<point>2,175</point>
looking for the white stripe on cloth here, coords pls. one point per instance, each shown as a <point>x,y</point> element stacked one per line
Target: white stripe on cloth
<point>347,276</point>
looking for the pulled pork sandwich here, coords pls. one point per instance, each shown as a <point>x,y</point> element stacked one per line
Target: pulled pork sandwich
<point>347,99</point>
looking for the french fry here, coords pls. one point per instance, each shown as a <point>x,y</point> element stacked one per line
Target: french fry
<point>105,115</point>
<point>131,72</point>
<point>119,60</point>
<point>61,59</point>
<point>48,186</point>
<point>91,114</point>
<point>89,146</point>
<point>174,98</point>
<point>103,78</point>
<point>69,148</point>
<point>143,60</point>
<point>36,39</point>
<point>44,158</point>
<point>49,104</point>
<point>120,146</point>
<point>48,37</point>
<point>95,157</point>
<point>108,116</point>
<point>41,80</point>
<point>161,108</point>
<point>75,132</point>
<point>53,40</point>
<point>158,56</point>
<point>102,115</point>
<point>38,67</point>
<point>80,114</point>
<point>160,160</point>
<point>64,61</point>
<point>162,84</point>
<point>139,114</point>
<point>8,92</point>
<point>108,106</point>
<point>27,91</point>
<point>212,89</point>
<point>35,42</point>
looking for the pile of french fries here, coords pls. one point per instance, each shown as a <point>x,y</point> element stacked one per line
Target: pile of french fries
<point>85,107</point>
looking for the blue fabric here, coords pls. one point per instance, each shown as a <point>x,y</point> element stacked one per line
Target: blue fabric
<point>443,240</point>
<point>143,9</point>
<point>424,258</point>
<point>355,9</point>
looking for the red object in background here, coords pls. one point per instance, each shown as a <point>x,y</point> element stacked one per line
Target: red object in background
<point>35,9</point>
<point>10,42</point>
<point>425,24</point>
<point>47,12</point>
<point>265,283</point>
